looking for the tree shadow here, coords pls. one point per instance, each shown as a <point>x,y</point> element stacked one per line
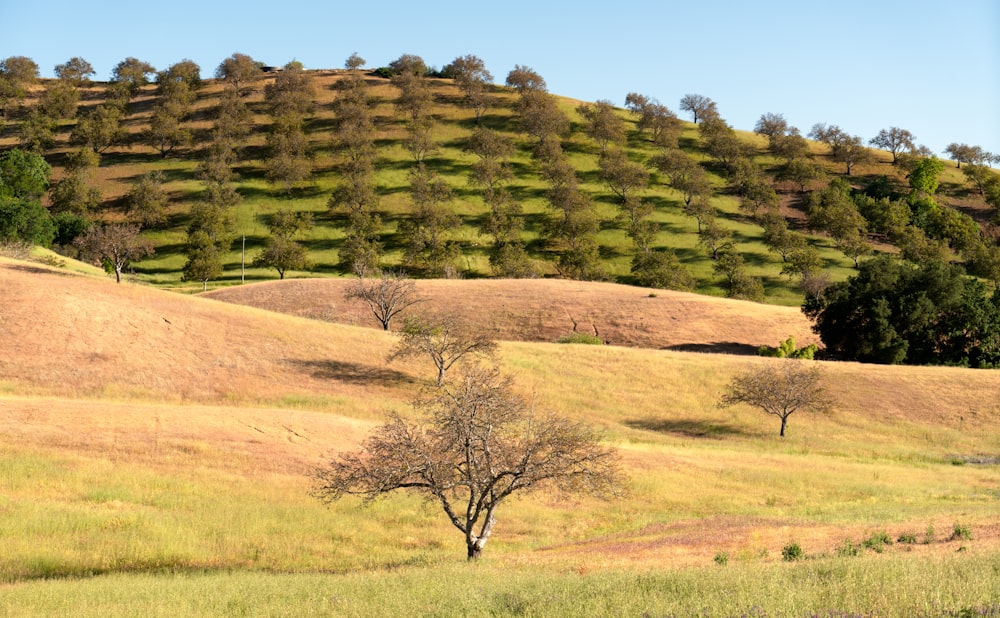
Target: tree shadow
<point>691,428</point>
<point>351,373</point>
<point>716,347</point>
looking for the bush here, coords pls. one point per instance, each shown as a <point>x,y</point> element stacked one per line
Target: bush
<point>907,538</point>
<point>960,532</point>
<point>792,552</point>
<point>878,541</point>
<point>583,338</point>
<point>721,558</point>
<point>787,349</point>
<point>848,548</point>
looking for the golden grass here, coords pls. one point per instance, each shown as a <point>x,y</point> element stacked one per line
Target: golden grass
<point>170,412</point>
<point>543,310</point>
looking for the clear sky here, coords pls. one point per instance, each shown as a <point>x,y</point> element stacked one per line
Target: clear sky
<point>932,68</point>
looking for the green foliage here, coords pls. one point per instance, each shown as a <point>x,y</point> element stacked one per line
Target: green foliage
<point>25,220</point>
<point>907,538</point>
<point>848,549</point>
<point>960,532</point>
<point>787,349</point>
<point>583,338</point>
<point>68,227</point>
<point>573,239</point>
<point>878,541</point>
<point>721,558</point>
<point>661,269</point>
<point>924,175</point>
<point>894,312</point>
<point>792,552</point>
<point>23,175</point>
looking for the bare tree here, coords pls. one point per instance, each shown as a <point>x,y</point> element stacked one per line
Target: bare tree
<point>115,246</point>
<point>480,444</point>
<point>895,140</point>
<point>700,106</point>
<point>444,339</point>
<point>387,295</point>
<point>778,389</point>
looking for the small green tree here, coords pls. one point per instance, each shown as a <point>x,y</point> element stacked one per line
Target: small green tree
<point>281,252</point>
<point>147,201</point>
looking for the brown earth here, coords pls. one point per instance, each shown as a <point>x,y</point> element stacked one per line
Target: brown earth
<point>543,310</point>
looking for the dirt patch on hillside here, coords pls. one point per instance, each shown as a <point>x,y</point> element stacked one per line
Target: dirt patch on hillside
<point>545,310</point>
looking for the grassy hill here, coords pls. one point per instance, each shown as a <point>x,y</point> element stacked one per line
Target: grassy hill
<point>156,451</point>
<point>453,124</point>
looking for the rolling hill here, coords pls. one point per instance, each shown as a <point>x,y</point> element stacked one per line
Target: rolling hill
<point>148,432</point>
<point>122,166</point>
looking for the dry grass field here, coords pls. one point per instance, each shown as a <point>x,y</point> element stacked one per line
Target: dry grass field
<point>144,431</point>
<point>543,310</point>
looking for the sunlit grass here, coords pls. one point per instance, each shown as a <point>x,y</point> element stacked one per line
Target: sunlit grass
<point>886,586</point>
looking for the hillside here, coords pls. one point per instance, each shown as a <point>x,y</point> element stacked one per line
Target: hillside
<point>543,310</point>
<point>146,432</point>
<point>121,166</point>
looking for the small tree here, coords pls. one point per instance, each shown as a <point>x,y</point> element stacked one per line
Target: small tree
<point>281,252</point>
<point>700,106</point>
<point>114,246</point>
<point>147,201</point>
<point>387,295</point>
<point>480,444</point>
<point>778,389</point>
<point>444,339</point>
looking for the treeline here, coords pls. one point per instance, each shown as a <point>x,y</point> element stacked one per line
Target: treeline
<point>636,150</point>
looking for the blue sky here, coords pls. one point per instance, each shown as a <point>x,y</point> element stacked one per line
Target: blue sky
<point>932,68</point>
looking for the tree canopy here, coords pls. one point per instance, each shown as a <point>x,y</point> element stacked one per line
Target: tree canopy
<point>895,312</point>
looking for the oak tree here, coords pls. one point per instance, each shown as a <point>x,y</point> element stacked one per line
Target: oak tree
<point>386,294</point>
<point>240,70</point>
<point>895,140</point>
<point>147,201</point>
<point>701,107</point>
<point>115,246</point>
<point>481,442</point>
<point>602,123</point>
<point>76,71</point>
<point>444,339</point>
<point>779,389</point>
<point>472,78</point>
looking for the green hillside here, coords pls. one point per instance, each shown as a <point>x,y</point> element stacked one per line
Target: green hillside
<point>451,125</point>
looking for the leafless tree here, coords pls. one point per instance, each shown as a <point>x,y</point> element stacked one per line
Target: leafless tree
<point>481,443</point>
<point>115,246</point>
<point>386,294</point>
<point>778,389</point>
<point>444,339</point>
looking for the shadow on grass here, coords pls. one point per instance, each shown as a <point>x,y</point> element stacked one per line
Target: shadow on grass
<point>687,427</point>
<point>716,347</point>
<point>351,373</point>
<point>38,270</point>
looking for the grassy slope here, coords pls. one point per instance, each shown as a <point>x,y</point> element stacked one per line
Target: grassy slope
<point>121,166</point>
<point>146,431</point>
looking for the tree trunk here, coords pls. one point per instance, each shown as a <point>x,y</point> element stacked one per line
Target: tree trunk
<point>475,550</point>
<point>784,423</point>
